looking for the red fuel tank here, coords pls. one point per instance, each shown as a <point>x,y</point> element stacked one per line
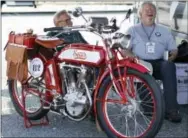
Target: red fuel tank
<point>82,54</point>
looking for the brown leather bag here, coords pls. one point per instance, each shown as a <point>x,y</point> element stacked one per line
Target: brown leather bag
<point>16,58</point>
<point>26,39</point>
<point>16,55</point>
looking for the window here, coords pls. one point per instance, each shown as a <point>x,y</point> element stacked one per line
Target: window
<point>174,14</point>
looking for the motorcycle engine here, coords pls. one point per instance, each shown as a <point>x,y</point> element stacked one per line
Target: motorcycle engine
<point>76,97</point>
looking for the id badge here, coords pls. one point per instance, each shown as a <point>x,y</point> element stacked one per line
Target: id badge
<point>150,47</point>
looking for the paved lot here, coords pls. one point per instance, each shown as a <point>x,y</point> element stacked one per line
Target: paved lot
<point>13,125</point>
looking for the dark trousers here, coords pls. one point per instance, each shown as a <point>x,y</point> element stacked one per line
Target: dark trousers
<point>166,71</point>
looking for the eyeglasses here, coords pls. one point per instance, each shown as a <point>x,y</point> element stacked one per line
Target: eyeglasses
<point>66,20</point>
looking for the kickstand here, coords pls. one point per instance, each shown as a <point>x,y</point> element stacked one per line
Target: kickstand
<point>28,122</point>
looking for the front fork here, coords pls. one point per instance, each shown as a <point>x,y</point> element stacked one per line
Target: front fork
<point>119,84</point>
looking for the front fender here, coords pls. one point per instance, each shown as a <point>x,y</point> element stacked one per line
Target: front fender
<point>123,63</point>
<point>137,65</point>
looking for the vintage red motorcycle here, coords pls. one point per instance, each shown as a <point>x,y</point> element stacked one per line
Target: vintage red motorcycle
<point>83,80</point>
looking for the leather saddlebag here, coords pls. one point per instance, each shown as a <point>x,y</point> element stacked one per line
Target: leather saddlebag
<point>16,57</point>
<point>24,39</point>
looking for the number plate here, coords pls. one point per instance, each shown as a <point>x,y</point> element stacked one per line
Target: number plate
<point>36,67</point>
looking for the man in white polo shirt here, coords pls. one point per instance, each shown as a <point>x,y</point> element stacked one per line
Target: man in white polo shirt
<point>148,42</point>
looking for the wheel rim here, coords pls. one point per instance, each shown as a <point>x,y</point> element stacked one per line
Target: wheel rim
<point>32,102</point>
<point>129,119</point>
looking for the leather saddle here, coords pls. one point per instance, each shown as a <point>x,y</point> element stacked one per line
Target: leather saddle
<point>49,42</point>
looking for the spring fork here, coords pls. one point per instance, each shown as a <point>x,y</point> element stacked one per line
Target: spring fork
<point>109,57</point>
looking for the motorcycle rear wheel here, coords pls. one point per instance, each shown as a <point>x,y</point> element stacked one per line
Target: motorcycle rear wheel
<point>116,119</point>
<point>34,107</point>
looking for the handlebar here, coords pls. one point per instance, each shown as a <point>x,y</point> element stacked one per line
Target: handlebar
<point>103,29</point>
<point>53,29</point>
<point>63,28</point>
<point>111,29</point>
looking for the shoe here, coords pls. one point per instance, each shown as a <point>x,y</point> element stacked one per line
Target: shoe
<point>173,116</point>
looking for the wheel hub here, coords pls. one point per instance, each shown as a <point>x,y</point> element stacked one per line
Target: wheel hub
<point>130,109</point>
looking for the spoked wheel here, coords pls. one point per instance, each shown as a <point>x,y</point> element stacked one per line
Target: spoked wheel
<point>33,95</point>
<point>141,116</point>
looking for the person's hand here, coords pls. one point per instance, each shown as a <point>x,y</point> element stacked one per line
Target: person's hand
<point>29,31</point>
<point>172,55</point>
<point>128,53</point>
<point>171,58</point>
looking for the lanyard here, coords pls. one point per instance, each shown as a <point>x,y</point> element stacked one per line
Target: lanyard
<point>148,36</point>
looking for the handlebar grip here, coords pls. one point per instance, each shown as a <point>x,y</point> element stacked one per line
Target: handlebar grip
<point>108,27</point>
<point>111,27</point>
<point>53,29</point>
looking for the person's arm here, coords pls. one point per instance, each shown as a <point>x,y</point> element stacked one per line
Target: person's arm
<point>172,48</point>
<point>50,34</point>
<point>127,43</point>
<point>82,39</point>
<point>124,51</point>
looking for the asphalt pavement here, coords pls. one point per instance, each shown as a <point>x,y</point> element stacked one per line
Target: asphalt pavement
<point>13,125</point>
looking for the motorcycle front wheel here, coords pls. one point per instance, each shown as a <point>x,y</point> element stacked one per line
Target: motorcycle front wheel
<point>141,116</point>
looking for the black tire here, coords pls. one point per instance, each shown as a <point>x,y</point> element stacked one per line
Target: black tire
<point>158,97</point>
<point>12,85</point>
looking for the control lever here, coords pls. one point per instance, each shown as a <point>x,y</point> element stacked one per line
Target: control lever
<point>128,14</point>
<point>114,25</point>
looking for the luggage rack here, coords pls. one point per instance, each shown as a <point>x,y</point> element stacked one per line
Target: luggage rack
<point>28,122</point>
